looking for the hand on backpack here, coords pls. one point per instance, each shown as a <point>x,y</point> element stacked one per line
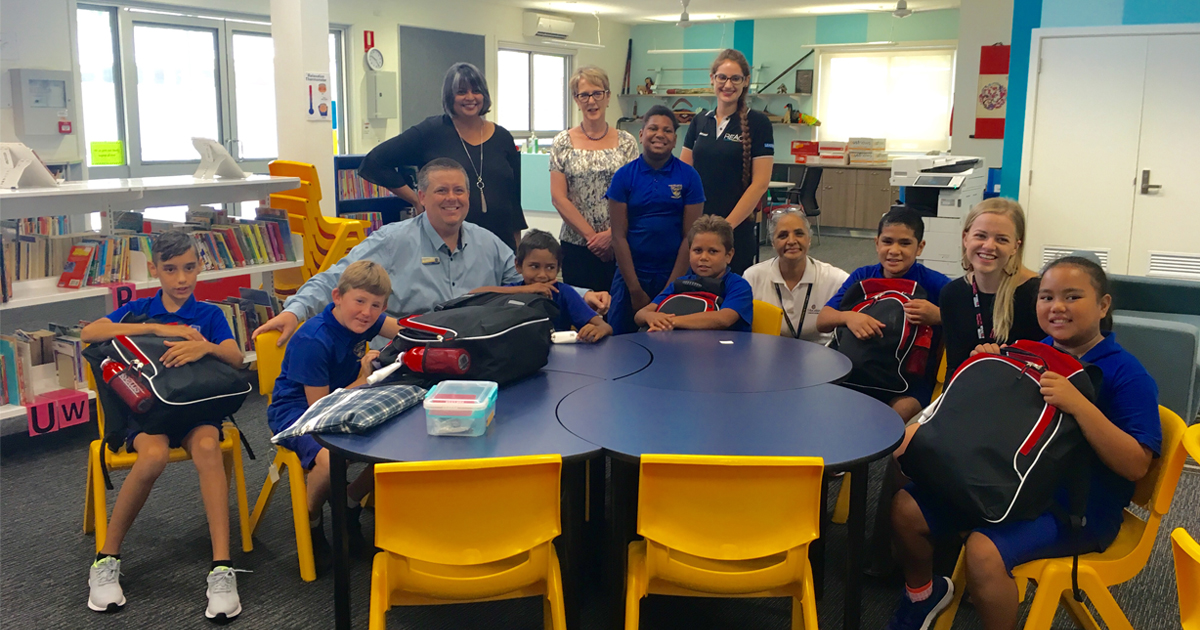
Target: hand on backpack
<point>365,368</point>
<point>184,352</point>
<point>863,326</point>
<point>922,313</point>
<point>1057,390</point>
<point>986,348</point>
<point>544,289</point>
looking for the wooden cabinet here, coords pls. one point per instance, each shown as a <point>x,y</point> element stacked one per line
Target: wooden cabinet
<point>855,197</point>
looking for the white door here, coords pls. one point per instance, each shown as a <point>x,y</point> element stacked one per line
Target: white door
<point>1165,239</point>
<point>1079,191</point>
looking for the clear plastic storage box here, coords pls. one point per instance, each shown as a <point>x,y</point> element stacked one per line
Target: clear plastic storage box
<point>460,408</point>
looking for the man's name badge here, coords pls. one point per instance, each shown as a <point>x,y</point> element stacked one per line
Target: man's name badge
<point>430,260</point>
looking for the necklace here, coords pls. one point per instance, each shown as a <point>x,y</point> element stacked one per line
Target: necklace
<point>478,171</point>
<point>585,133</point>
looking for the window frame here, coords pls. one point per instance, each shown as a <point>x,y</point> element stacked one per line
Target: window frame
<point>344,95</point>
<point>106,172</point>
<point>568,99</point>
<point>940,46</point>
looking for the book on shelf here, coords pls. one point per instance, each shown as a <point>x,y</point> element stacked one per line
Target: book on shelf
<point>8,355</point>
<point>374,219</point>
<point>75,270</point>
<point>351,186</point>
<point>20,372</point>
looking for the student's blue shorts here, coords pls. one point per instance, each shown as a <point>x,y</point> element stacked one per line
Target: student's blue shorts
<point>620,310</point>
<point>176,435</point>
<point>305,447</point>
<point>922,391</point>
<point>1018,542</point>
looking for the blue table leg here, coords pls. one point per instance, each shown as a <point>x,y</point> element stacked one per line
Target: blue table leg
<point>856,526</point>
<point>341,543</point>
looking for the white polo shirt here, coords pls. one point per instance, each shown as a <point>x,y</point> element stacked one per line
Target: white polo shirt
<point>819,284</point>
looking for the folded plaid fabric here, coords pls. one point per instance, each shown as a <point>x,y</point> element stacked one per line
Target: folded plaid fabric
<point>354,410</point>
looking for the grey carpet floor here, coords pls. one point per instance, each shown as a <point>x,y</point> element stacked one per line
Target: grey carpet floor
<point>44,557</point>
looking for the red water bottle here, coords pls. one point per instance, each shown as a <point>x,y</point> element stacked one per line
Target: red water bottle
<point>127,384</point>
<point>453,361</point>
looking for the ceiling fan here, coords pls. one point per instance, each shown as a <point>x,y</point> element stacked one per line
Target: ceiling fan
<point>902,10</point>
<point>684,20</point>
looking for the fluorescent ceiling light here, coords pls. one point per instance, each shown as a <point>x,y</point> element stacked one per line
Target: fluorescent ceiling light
<point>693,17</point>
<point>676,51</point>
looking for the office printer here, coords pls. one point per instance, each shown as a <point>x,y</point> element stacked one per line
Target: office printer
<point>943,188</point>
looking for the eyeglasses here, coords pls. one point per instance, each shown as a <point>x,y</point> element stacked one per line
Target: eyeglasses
<point>584,97</point>
<point>736,80</point>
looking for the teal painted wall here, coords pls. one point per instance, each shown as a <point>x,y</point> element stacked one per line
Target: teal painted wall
<point>1031,14</point>
<point>842,29</point>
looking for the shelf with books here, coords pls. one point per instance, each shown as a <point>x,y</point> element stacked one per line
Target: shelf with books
<point>13,417</point>
<point>353,194</point>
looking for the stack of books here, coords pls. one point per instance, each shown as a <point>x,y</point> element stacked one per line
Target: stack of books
<point>23,351</point>
<point>246,312</point>
<point>373,219</point>
<point>351,186</point>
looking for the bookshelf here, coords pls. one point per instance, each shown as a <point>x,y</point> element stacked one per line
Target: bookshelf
<point>13,418</point>
<point>348,196</point>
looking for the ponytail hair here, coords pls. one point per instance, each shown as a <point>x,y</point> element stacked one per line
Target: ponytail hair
<point>1002,309</point>
<point>730,54</point>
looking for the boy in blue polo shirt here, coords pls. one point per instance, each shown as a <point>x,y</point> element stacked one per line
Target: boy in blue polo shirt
<point>652,203</point>
<point>330,352</point>
<point>899,240</point>
<point>710,249</point>
<point>538,258</point>
<point>176,263</point>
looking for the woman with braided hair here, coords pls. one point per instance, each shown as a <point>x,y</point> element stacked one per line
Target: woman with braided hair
<point>733,149</point>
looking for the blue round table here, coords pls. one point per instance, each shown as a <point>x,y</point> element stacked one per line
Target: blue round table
<point>611,357</point>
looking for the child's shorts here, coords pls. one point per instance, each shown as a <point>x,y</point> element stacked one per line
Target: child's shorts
<point>620,309</point>
<point>1019,541</point>
<point>921,391</point>
<point>175,435</point>
<point>305,447</point>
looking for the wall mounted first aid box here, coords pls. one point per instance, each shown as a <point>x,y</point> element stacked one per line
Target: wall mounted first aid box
<point>462,408</point>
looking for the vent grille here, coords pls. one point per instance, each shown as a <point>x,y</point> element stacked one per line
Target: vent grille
<point>1175,265</point>
<point>1051,253</point>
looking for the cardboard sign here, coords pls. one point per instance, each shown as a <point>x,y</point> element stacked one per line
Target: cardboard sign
<point>57,410</point>
<point>122,293</point>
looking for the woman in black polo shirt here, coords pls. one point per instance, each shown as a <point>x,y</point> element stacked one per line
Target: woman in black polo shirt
<point>733,149</point>
<point>486,151</point>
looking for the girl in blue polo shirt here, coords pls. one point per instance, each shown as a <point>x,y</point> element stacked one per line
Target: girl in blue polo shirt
<point>652,203</point>
<point>1122,427</point>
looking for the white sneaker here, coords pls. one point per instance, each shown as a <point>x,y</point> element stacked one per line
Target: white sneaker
<point>223,601</point>
<point>104,580</point>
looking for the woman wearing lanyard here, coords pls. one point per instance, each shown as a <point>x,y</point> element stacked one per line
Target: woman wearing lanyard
<point>583,161</point>
<point>485,150</point>
<point>793,281</point>
<point>733,149</point>
<point>996,301</point>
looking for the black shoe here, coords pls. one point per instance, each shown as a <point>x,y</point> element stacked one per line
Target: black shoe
<point>359,546</point>
<point>322,551</point>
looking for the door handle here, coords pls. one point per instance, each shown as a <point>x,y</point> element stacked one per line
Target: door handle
<point>1147,187</point>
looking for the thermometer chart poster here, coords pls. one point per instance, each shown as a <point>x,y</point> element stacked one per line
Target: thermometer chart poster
<point>991,102</point>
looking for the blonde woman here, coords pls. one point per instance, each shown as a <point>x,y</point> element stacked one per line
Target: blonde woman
<point>995,302</point>
<point>583,160</point>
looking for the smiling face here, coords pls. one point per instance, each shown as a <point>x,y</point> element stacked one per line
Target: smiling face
<point>178,275</point>
<point>791,239</point>
<point>898,249</point>
<point>538,266</point>
<point>1069,308</point>
<point>658,137</point>
<point>357,309</point>
<point>445,199</point>
<point>707,255</point>
<point>592,100</point>
<point>468,101</point>
<point>990,242</point>
<point>728,81</point>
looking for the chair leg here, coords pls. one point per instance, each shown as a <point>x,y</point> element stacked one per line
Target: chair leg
<point>1103,600</point>
<point>1045,600</point>
<point>379,592</point>
<point>946,620</point>
<point>635,585</point>
<point>804,609</point>
<point>841,511</point>
<point>99,500</point>
<point>264,497</point>
<point>89,515</point>
<point>1082,616</point>
<point>239,476</point>
<point>554,610</point>
<point>304,548</point>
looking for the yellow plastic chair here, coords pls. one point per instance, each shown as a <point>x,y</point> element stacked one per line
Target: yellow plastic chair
<point>465,531</point>
<point>95,505</point>
<point>767,318</point>
<point>1123,559</point>
<point>270,363</point>
<point>726,527</point>
<point>940,384</point>
<point>1187,577</point>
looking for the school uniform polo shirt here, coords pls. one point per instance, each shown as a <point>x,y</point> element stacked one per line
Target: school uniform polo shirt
<point>655,199</point>
<point>572,310</point>
<point>1128,397</point>
<point>321,353</point>
<point>928,279</point>
<point>737,296</point>
<point>717,155</point>
<point>820,282</point>
<point>206,318</point>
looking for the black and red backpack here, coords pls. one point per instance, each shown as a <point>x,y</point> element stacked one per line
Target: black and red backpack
<point>694,295</point>
<point>895,362</point>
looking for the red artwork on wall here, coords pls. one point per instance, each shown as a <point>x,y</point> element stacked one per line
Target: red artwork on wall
<point>991,101</point>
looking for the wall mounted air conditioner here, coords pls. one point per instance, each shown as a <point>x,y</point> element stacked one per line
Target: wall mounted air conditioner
<point>550,26</point>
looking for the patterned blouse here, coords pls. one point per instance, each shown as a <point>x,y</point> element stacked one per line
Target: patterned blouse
<point>589,172</point>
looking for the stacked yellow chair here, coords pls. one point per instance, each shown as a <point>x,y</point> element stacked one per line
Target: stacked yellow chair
<point>767,318</point>
<point>467,530</point>
<point>726,527</point>
<point>270,363</point>
<point>1187,553</point>
<point>95,506</point>
<point>1123,559</point>
<point>326,239</point>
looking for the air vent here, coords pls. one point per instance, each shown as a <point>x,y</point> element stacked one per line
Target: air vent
<point>1174,265</point>
<point>1052,253</point>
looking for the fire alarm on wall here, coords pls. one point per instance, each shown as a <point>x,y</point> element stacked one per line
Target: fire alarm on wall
<point>64,126</point>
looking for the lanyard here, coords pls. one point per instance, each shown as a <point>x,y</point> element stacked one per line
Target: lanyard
<point>795,330</point>
<point>978,312</point>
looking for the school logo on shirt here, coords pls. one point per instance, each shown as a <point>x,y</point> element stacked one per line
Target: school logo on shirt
<point>360,350</point>
<point>676,191</point>
<point>733,137</point>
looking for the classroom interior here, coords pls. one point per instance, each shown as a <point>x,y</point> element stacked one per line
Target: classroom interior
<point>1095,96</point>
